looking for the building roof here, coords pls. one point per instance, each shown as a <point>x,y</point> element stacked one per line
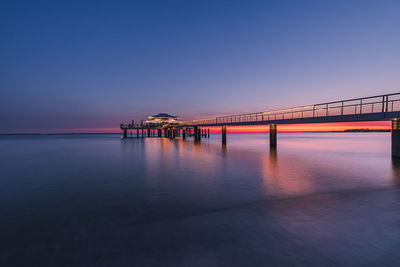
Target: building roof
<point>163,115</point>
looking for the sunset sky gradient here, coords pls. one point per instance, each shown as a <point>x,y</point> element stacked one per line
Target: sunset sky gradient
<point>87,66</point>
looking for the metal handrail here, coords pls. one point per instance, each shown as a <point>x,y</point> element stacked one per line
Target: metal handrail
<point>379,104</point>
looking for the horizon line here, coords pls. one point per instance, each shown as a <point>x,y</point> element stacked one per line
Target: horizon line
<point>337,131</point>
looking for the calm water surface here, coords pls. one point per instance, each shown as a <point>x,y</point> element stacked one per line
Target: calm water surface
<point>320,199</point>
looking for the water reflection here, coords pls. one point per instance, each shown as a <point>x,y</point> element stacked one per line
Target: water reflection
<point>224,149</point>
<point>396,169</point>
<point>159,201</point>
<point>273,155</point>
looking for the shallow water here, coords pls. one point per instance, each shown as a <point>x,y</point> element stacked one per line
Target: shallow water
<point>94,200</point>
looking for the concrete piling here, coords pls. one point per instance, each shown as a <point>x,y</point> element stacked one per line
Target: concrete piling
<point>223,134</point>
<point>272,135</point>
<point>396,138</point>
<point>197,136</point>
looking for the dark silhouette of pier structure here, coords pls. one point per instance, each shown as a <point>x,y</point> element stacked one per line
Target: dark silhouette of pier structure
<point>372,108</point>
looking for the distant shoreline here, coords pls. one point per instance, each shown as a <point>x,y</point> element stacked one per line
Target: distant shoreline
<point>54,133</point>
<point>344,131</point>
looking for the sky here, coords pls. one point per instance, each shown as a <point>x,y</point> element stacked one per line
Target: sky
<point>87,66</point>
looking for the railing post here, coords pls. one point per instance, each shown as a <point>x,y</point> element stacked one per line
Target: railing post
<point>383,104</point>
<point>361,106</point>
<point>341,111</point>
<point>327,110</point>
<point>313,111</point>
<point>387,103</point>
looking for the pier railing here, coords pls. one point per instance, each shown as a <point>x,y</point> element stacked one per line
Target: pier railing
<point>365,105</point>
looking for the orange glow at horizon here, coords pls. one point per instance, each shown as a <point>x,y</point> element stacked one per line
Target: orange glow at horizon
<point>309,127</point>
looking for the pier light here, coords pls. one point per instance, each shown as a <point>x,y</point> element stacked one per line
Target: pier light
<point>161,119</point>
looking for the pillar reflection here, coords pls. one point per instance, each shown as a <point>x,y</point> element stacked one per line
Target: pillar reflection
<point>396,169</point>
<point>273,155</point>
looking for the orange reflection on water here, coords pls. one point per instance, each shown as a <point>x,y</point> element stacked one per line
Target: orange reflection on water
<point>279,179</point>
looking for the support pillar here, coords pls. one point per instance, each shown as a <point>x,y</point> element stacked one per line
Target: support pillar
<point>137,133</point>
<point>208,133</point>
<point>142,132</point>
<point>148,132</point>
<point>396,138</point>
<point>196,133</point>
<point>125,133</point>
<point>183,133</point>
<point>224,134</point>
<point>272,135</point>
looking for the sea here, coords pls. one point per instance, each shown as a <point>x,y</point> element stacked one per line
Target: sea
<point>318,199</point>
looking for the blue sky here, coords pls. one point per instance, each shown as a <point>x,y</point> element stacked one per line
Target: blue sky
<point>90,65</point>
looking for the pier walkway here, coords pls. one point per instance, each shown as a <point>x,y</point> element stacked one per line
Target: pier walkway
<point>372,108</point>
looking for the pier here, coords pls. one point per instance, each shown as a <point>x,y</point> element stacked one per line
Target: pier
<point>372,108</point>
